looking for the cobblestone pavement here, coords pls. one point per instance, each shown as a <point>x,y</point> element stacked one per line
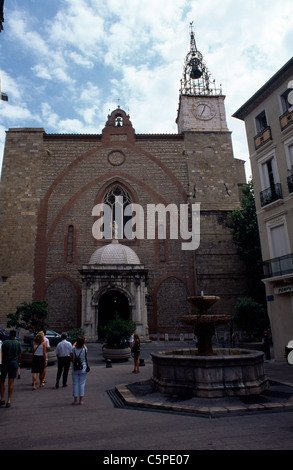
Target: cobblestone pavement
<point>45,419</point>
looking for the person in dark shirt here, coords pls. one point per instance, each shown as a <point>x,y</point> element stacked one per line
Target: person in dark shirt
<point>11,354</point>
<point>63,352</point>
<point>135,350</point>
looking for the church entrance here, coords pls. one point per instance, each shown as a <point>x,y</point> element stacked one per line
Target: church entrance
<point>110,303</point>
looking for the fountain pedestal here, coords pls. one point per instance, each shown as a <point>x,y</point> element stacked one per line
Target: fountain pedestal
<point>204,335</point>
<point>204,324</point>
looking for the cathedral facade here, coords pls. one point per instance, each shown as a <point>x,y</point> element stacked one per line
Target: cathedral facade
<point>52,193</point>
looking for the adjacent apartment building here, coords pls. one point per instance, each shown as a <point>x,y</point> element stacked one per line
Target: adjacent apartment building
<point>268,117</point>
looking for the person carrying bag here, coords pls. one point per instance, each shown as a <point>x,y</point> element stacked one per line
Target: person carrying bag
<point>79,370</point>
<point>77,363</point>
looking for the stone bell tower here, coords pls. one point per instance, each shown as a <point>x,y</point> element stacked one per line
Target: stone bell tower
<point>214,175</point>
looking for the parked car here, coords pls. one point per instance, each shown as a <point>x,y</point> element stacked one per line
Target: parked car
<point>53,337</point>
<point>4,335</point>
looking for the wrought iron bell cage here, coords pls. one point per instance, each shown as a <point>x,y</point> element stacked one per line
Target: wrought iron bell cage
<point>196,77</point>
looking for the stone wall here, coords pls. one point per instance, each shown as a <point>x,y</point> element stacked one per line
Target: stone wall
<point>20,195</point>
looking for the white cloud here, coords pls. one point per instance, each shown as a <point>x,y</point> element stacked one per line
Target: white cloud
<point>42,72</point>
<point>16,109</point>
<point>10,86</point>
<point>71,126</point>
<point>15,113</point>
<point>89,93</point>
<point>19,24</point>
<point>79,59</point>
<point>79,25</point>
<point>50,118</point>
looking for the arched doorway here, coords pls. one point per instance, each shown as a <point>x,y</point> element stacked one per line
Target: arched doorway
<point>110,303</point>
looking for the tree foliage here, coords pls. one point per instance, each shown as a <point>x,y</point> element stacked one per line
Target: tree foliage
<point>73,334</point>
<point>117,329</point>
<point>243,225</point>
<point>30,316</point>
<point>251,317</point>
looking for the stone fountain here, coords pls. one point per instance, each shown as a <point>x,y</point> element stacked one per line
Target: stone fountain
<point>204,371</point>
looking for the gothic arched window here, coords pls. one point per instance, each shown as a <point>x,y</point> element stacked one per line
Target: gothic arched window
<point>118,198</point>
<point>70,244</point>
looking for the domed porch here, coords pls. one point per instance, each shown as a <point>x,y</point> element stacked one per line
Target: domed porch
<point>114,281</point>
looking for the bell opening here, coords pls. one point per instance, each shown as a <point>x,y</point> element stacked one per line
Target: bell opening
<point>195,73</point>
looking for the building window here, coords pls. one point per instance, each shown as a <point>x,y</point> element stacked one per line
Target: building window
<point>117,198</point>
<point>290,152</point>
<point>268,173</point>
<point>272,190</point>
<point>162,243</point>
<point>289,155</point>
<point>285,105</point>
<point>263,131</point>
<point>286,118</point>
<point>69,244</point>
<point>280,262</point>
<point>261,122</point>
<point>279,244</point>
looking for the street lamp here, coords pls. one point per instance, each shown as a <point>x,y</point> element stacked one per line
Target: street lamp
<point>3,96</point>
<point>1,15</point>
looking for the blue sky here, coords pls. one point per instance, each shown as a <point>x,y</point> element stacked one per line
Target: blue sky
<point>65,64</point>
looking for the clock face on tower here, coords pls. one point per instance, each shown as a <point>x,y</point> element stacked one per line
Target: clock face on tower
<point>204,110</point>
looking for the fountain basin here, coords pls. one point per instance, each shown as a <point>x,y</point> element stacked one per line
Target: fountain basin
<point>204,319</point>
<point>203,302</point>
<point>228,372</point>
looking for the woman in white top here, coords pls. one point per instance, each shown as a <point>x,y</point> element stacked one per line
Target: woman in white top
<point>39,358</point>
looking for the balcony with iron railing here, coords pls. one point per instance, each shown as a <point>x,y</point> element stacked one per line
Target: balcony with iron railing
<point>264,136</point>
<point>281,266</point>
<point>271,194</point>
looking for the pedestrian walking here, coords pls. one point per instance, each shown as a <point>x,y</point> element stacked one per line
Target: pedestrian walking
<point>48,347</point>
<point>135,351</point>
<point>39,350</point>
<point>79,370</point>
<point>11,355</point>
<point>63,352</point>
